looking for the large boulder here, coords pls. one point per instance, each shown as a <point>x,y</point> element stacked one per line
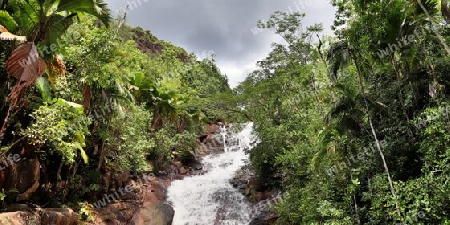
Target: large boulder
<point>21,214</point>
<point>212,129</point>
<point>115,213</point>
<point>22,176</point>
<point>19,218</point>
<point>143,205</point>
<point>58,216</point>
<point>154,214</point>
<point>154,210</point>
<point>112,180</point>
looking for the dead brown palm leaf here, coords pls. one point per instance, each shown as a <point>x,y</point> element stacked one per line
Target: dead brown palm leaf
<point>55,69</point>
<point>87,97</point>
<point>158,122</point>
<point>24,63</point>
<point>16,103</point>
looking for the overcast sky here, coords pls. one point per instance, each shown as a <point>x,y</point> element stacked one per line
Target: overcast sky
<point>221,26</point>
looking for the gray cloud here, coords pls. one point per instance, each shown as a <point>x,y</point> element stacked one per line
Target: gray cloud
<point>222,26</point>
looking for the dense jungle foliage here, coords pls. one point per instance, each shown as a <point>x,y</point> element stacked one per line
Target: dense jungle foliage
<point>88,95</point>
<point>354,128</point>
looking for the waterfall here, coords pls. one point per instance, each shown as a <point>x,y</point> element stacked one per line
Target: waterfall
<point>210,199</point>
<point>223,132</point>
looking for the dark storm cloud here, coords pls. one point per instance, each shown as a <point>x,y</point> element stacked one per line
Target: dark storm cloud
<point>222,26</point>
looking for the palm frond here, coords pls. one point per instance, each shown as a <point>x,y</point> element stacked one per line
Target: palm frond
<point>8,21</point>
<point>338,57</point>
<point>96,8</point>
<point>25,16</point>
<point>429,5</point>
<point>56,26</point>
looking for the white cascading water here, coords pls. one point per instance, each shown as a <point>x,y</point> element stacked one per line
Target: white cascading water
<point>210,199</point>
<point>223,132</point>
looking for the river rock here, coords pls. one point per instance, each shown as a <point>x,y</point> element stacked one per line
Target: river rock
<point>239,184</point>
<point>20,217</point>
<point>38,216</point>
<point>197,166</point>
<point>58,216</point>
<point>264,218</point>
<point>151,214</point>
<point>242,179</point>
<point>183,171</point>
<point>212,129</point>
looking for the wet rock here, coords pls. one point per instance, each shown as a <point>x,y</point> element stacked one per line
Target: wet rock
<point>264,218</point>
<point>58,216</point>
<point>151,214</point>
<point>38,216</point>
<point>162,173</point>
<point>245,181</point>
<point>213,143</point>
<point>228,209</point>
<point>239,184</point>
<point>110,181</point>
<point>202,138</point>
<point>241,180</point>
<point>17,218</point>
<point>220,216</point>
<point>167,211</point>
<point>194,165</point>
<point>23,176</point>
<point>16,207</point>
<point>143,205</point>
<point>259,196</point>
<point>116,213</point>
<point>223,197</point>
<point>223,165</point>
<point>198,166</point>
<point>183,171</point>
<point>212,129</point>
<point>172,171</point>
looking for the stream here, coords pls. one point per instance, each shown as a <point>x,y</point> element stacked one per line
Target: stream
<point>210,198</point>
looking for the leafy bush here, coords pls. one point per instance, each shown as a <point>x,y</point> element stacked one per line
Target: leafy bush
<point>170,145</point>
<point>128,140</point>
<point>61,127</point>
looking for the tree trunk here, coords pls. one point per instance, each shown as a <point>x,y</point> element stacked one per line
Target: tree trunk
<point>433,27</point>
<point>356,204</point>
<point>374,134</point>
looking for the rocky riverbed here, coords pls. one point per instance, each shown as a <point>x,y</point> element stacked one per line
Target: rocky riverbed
<point>141,199</point>
<point>263,201</point>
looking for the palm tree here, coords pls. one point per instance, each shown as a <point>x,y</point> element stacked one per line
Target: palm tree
<point>42,22</point>
<point>339,56</point>
<point>428,6</point>
<point>47,20</point>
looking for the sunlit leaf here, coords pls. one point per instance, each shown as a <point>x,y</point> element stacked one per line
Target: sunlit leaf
<point>44,88</point>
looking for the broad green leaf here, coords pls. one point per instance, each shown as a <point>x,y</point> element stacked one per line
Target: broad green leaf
<point>83,154</point>
<point>96,8</point>
<point>7,21</point>
<point>44,88</point>
<point>63,102</point>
